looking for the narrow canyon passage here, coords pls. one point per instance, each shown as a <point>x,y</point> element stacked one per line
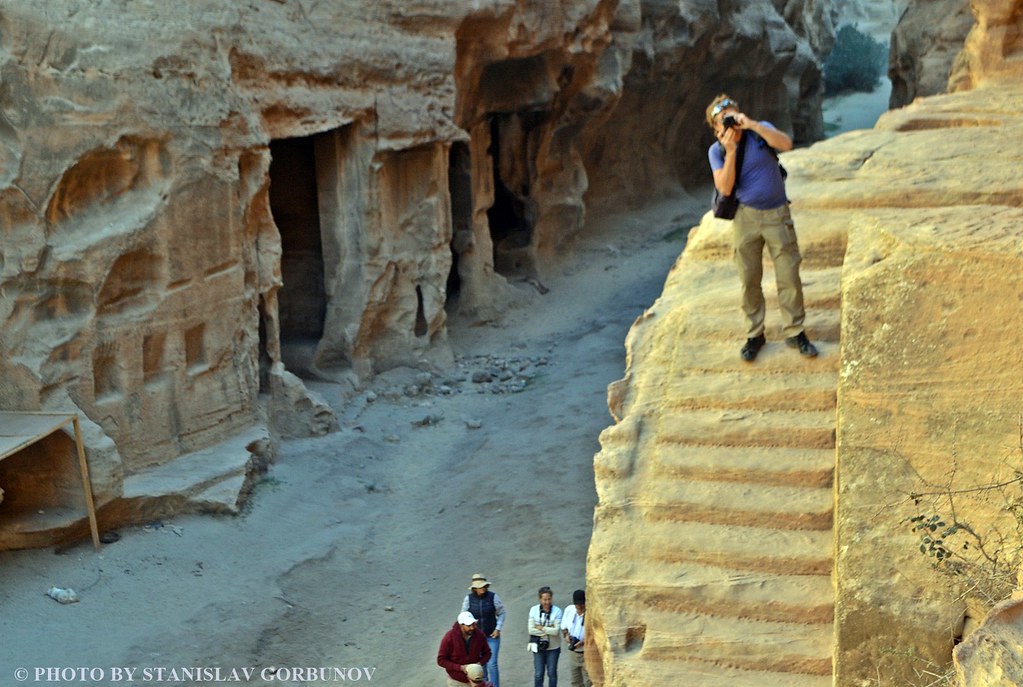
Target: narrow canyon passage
<point>358,547</point>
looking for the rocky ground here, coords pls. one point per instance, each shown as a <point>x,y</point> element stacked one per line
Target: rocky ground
<point>356,549</point>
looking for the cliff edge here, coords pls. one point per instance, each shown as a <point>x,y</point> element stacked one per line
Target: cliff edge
<point>754,523</point>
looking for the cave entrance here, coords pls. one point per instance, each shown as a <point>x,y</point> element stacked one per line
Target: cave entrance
<point>264,350</point>
<point>460,188</point>
<point>302,298</point>
<point>512,215</point>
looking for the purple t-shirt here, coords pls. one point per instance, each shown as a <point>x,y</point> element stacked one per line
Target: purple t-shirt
<point>760,183</point>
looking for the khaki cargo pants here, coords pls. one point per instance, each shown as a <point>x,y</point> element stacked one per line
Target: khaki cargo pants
<point>751,230</point>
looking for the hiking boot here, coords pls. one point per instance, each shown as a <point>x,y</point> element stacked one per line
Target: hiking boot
<point>806,349</point>
<point>752,347</point>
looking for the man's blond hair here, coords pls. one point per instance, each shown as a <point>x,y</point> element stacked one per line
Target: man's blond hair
<point>717,101</point>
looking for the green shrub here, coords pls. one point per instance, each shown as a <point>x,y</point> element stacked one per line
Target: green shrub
<point>855,63</point>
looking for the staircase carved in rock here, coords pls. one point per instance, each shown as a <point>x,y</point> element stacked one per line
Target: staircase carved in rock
<point>712,555</point>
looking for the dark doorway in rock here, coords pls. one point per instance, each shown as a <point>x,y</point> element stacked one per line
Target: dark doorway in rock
<point>264,352</point>
<point>460,188</point>
<point>301,300</point>
<point>421,327</point>
<point>510,217</point>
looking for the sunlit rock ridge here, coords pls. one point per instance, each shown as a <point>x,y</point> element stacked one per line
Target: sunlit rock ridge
<point>753,525</point>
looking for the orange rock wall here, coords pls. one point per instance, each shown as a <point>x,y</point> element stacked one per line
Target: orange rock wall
<point>924,45</point>
<point>198,202</point>
<point>928,386</point>
<point>994,48</point>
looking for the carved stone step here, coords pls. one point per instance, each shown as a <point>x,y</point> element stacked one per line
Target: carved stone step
<point>814,429</point>
<point>737,547</point>
<point>731,593</point>
<point>736,503</point>
<point>808,467</point>
<point>747,643</point>
<point>796,390</point>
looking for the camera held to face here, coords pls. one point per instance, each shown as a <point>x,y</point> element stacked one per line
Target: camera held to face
<point>729,121</point>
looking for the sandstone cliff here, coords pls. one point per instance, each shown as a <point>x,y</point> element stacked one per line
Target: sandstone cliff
<point>992,656</point>
<point>993,48</point>
<point>202,201</point>
<point>197,200</point>
<point>924,46</point>
<point>684,54</point>
<point>723,552</point>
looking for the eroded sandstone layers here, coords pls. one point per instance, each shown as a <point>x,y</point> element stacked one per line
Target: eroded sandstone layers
<point>991,657</point>
<point>199,198</point>
<point>683,55</point>
<point>202,202</point>
<point>924,47</point>
<point>713,555</point>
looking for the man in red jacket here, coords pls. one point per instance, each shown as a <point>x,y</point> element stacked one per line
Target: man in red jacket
<point>463,645</point>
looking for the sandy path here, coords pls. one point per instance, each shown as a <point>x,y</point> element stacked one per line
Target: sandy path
<point>357,549</point>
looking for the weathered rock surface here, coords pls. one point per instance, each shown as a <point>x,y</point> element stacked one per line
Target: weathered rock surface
<point>929,388</point>
<point>198,202</point>
<point>297,411</point>
<point>911,229</point>
<point>193,199</point>
<point>924,46</point>
<point>711,559</point>
<point>680,56</point>
<point>866,13</point>
<point>993,655</point>
<point>994,47</point>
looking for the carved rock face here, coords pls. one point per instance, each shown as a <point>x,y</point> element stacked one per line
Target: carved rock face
<point>684,54</point>
<point>716,557</point>
<point>317,188</point>
<point>193,202</point>
<point>924,47</point>
<point>994,46</point>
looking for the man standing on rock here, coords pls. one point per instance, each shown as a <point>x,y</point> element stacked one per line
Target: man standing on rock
<point>462,646</point>
<point>746,164</point>
<point>487,606</point>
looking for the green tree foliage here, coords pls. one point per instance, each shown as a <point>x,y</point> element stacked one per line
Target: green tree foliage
<point>855,63</point>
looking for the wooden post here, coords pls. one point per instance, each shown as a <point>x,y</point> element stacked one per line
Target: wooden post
<point>86,483</point>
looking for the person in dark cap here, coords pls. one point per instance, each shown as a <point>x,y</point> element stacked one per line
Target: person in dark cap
<point>463,645</point>
<point>573,627</point>
<point>487,606</point>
